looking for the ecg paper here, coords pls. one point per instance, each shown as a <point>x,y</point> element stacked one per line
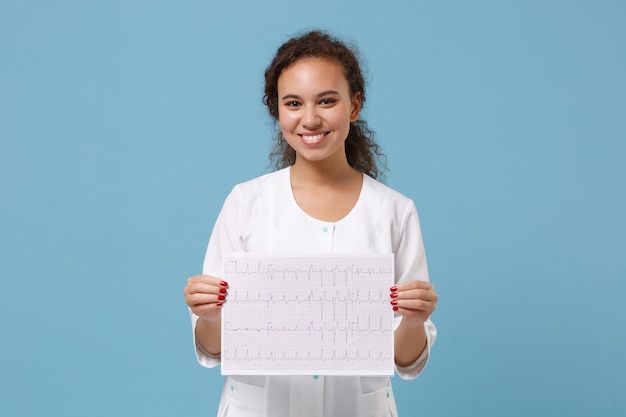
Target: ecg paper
<point>308,315</point>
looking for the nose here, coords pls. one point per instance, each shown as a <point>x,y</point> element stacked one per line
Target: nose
<point>311,118</point>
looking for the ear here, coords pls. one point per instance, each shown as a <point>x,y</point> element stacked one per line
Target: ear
<point>356,107</point>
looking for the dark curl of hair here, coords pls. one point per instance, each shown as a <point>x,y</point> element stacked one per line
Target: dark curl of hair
<point>362,151</point>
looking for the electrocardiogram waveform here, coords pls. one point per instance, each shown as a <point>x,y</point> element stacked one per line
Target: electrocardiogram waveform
<point>349,329</point>
<point>318,300</point>
<point>357,355</point>
<point>331,275</point>
<point>331,312</point>
<point>311,297</point>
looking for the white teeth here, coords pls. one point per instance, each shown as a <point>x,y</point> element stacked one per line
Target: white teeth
<point>312,138</point>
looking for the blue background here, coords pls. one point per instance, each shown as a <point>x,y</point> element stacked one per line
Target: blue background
<point>124,124</point>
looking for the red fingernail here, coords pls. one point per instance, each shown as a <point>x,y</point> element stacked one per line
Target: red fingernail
<point>224,284</point>
<point>223,290</point>
<point>395,309</point>
<point>393,295</point>
<point>218,304</point>
<point>221,297</point>
<point>394,289</point>
<point>394,302</point>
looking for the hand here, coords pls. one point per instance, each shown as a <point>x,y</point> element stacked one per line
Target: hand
<point>205,295</point>
<point>414,300</point>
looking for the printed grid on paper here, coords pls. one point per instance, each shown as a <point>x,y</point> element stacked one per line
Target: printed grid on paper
<point>326,315</point>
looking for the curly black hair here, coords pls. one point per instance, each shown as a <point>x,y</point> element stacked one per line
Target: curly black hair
<point>362,151</point>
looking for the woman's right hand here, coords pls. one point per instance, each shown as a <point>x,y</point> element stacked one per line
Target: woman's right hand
<point>205,296</point>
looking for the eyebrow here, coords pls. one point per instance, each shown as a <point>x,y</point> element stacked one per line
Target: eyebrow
<point>323,93</point>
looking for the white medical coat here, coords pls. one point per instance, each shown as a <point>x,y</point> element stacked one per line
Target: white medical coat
<point>262,216</point>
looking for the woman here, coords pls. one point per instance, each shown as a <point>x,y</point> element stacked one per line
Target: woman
<point>324,198</point>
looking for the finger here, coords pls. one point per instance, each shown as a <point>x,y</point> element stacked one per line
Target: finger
<point>418,316</point>
<point>209,286</point>
<point>204,288</point>
<point>207,279</point>
<point>206,310</point>
<point>411,285</point>
<point>415,305</point>
<point>200,299</point>
<point>428,295</point>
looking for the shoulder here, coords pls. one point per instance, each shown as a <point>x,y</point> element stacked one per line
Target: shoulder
<point>261,186</point>
<point>384,194</point>
<point>272,179</point>
<point>389,207</point>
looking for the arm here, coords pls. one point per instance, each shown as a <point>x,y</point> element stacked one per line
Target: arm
<point>209,335</point>
<point>205,294</point>
<point>413,299</point>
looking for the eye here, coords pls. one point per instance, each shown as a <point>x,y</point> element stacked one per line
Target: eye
<point>328,101</point>
<point>291,103</point>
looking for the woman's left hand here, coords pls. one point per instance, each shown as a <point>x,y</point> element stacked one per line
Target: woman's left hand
<point>414,300</point>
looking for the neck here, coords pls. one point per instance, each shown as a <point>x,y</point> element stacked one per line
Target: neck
<point>322,172</point>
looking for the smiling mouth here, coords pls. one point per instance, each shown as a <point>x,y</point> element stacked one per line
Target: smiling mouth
<point>313,138</point>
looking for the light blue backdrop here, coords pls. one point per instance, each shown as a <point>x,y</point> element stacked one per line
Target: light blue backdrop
<point>123,125</point>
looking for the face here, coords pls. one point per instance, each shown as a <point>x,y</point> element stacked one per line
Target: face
<point>315,109</point>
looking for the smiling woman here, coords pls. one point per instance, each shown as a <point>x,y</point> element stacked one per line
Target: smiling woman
<point>123,126</point>
<point>316,109</point>
<point>362,152</point>
<point>323,199</point>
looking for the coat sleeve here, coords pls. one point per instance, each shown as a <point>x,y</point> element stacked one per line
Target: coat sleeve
<point>410,264</point>
<point>224,238</point>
